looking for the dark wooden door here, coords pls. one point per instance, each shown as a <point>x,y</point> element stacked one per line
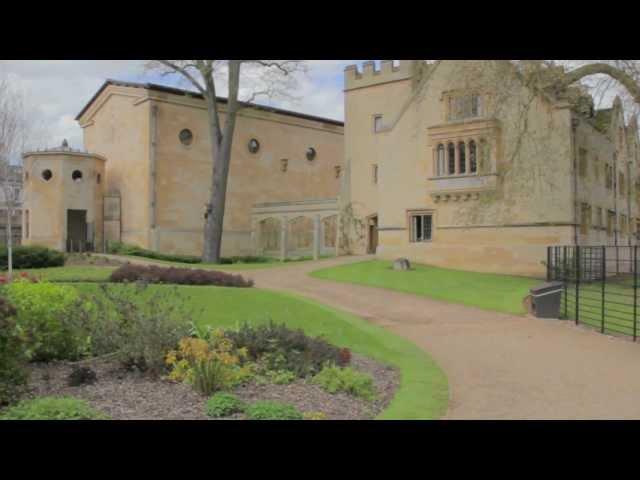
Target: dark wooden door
<point>373,235</point>
<point>76,230</point>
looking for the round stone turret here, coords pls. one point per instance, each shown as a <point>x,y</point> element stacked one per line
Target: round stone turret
<point>63,195</point>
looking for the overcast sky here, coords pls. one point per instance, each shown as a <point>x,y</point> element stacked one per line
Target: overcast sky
<point>58,89</point>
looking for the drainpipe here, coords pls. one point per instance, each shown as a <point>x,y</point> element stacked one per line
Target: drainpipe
<point>574,126</point>
<point>615,197</point>
<point>152,175</point>
<point>628,193</point>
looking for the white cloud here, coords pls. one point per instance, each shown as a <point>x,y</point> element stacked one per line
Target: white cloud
<point>58,89</point>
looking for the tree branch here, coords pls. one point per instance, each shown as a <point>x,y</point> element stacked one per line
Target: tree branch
<point>627,81</point>
<point>183,71</point>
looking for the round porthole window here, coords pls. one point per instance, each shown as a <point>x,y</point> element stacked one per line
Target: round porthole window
<point>186,137</point>
<point>76,175</point>
<point>47,174</point>
<point>254,145</point>
<point>311,153</point>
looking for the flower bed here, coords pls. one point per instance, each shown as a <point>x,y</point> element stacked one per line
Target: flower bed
<point>133,395</point>
<point>129,351</point>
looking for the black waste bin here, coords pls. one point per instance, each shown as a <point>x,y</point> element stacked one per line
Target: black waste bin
<point>545,299</point>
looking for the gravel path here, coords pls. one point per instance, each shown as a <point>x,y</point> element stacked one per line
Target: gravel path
<point>499,366</point>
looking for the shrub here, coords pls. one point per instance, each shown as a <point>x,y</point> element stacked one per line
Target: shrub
<point>126,249</point>
<point>336,379</point>
<point>28,256</point>
<point>344,357</point>
<point>53,408</point>
<point>81,376</point>
<point>181,276</point>
<point>210,376</point>
<point>43,310</point>
<point>13,375</point>
<point>314,416</point>
<point>281,348</point>
<point>209,365</point>
<point>278,377</point>
<point>138,325</point>
<point>267,410</point>
<point>223,405</point>
<point>245,259</point>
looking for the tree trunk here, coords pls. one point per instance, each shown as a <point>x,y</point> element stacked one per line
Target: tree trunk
<point>9,247</point>
<point>211,250</point>
<point>221,159</point>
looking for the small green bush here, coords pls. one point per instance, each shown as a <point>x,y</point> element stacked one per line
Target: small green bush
<point>137,325</point>
<point>119,248</point>
<point>13,375</point>
<point>337,379</point>
<point>178,276</point>
<point>280,348</point>
<point>43,310</point>
<point>126,249</point>
<point>27,256</point>
<point>267,410</point>
<point>315,416</point>
<point>53,408</point>
<point>224,404</point>
<point>277,377</point>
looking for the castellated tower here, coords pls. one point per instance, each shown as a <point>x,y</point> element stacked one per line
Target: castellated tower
<point>370,76</point>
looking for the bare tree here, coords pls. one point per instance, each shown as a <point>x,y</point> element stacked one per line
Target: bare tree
<point>17,130</point>
<point>250,79</point>
<point>11,130</point>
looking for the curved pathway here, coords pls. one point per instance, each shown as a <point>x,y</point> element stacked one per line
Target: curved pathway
<point>499,366</point>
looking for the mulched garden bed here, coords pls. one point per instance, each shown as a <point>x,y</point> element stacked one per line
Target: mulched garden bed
<point>125,395</point>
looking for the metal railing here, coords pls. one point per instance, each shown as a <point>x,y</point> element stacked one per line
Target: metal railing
<point>600,286</point>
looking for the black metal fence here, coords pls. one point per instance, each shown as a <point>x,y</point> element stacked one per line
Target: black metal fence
<point>600,286</point>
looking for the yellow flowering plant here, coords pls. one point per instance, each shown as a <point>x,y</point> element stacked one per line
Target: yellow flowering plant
<point>193,352</point>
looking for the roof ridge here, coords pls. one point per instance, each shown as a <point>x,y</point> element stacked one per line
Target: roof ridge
<point>181,91</point>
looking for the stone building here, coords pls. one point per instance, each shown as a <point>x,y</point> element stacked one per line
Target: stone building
<point>464,165</point>
<point>472,165</point>
<point>144,178</point>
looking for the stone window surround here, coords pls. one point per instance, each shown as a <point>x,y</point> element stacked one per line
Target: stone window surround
<point>409,222</point>
<point>465,143</point>
<point>450,97</point>
<point>466,131</point>
<point>378,125</point>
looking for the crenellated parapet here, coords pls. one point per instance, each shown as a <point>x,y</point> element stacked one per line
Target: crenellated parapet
<point>369,76</point>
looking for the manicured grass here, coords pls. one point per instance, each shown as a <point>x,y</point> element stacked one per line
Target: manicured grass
<point>618,307</point>
<point>226,267</point>
<point>423,393</point>
<point>501,293</point>
<point>91,273</point>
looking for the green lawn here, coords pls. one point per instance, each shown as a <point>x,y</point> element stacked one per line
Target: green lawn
<point>85,273</point>
<point>501,293</point>
<point>91,273</point>
<point>423,393</point>
<point>274,262</point>
<point>618,307</point>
